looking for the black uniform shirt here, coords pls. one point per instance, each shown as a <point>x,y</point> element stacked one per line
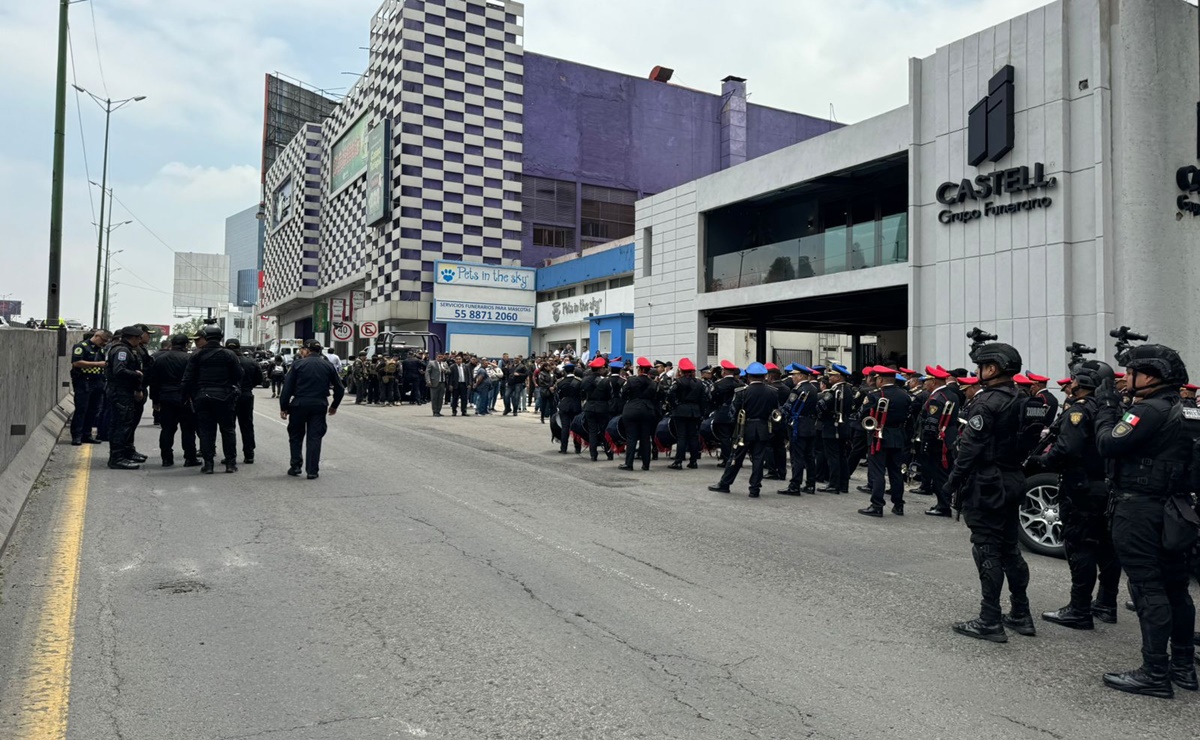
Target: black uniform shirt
<point>1074,452</point>
<point>85,351</point>
<point>252,376</point>
<point>166,375</point>
<point>1149,446</point>
<point>686,397</point>
<point>124,366</point>
<point>309,382</point>
<point>211,367</point>
<point>567,391</point>
<point>990,435</point>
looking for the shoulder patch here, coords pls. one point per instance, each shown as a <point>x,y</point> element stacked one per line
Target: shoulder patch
<point>1191,413</point>
<point>976,422</point>
<point>122,355</point>
<point>1131,419</point>
<point>79,350</point>
<point>933,408</point>
<point>1076,417</point>
<point>1121,429</point>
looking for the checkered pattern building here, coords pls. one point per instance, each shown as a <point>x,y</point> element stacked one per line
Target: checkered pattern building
<point>449,76</point>
<point>293,209</point>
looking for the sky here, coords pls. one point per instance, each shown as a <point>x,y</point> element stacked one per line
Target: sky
<point>187,156</point>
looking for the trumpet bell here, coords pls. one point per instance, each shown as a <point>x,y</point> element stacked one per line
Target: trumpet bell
<point>870,423</point>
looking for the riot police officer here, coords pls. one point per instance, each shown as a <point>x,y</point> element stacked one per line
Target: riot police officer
<point>211,382</point>
<point>166,393</point>
<point>1083,503</point>
<point>252,378</point>
<point>752,407</point>
<point>125,386</point>
<point>1149,451</point>
<point>988,476</point>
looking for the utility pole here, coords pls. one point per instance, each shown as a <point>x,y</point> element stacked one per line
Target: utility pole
<point>100,231</point>
<point>56,187</point>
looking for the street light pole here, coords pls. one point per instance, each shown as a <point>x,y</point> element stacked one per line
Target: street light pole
<point>56,178</point>
<point>108,270</point>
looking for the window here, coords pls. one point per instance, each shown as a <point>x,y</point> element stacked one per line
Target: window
<point>604,342</point>
<point>595,287</point>
<point>628,341</point>
<point>606,213</point>
<point>566,293</point>
<point>282,202</point>
<point>553,236</point>
<point>647,251</point>
<point>548,201</point>
<point>714,344</point>
<point>620,282</point>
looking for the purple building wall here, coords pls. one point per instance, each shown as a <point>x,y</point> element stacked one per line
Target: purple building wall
<point>599,127</point>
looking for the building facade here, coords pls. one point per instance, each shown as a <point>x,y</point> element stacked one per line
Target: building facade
<point>585,302</point>
<point>456,144</point>
<point>1039,184</point>
<point>244,236</point>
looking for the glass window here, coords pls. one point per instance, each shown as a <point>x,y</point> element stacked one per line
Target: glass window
<point>628,340</point>
<point>553,236</point>
<point>620,282</point>
<point>604,342</point>
<point>606,214</point>
<point>714,344</point>
<point>565,293</point>
<point>595,287</point>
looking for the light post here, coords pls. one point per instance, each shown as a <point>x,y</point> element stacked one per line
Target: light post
<point>109,105</point>
<point>108,271</point>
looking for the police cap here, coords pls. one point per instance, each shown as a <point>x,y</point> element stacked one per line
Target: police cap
<point>233,344</point>
<point>131,331</point>
<point>179,340</point>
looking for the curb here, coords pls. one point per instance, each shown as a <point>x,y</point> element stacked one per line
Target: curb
<point>17,480</point>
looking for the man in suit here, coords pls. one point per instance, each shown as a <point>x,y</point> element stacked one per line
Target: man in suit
<point>435,378</point>
<point>460,379</point>
<point>757,401</point>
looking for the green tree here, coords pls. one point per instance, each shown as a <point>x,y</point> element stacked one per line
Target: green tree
<point>780,270</point>
<point>189,327</point>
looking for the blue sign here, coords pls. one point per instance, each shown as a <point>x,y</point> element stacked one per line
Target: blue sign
<point>474,312</point>
<point>484,276</point>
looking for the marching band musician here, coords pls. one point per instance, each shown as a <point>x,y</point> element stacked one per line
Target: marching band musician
<point>722,399</point>
<point>938,427</point>
<point>752,407</point>
<point>777,467</point>
<point>801,410</point>
<point>886,441</point>
<point>836,406</point>
<point>686,399</point>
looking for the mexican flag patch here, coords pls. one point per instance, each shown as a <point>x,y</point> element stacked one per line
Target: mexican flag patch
<point>1131,419</point>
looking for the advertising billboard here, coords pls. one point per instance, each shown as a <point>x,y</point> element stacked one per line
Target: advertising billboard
<point>8,309</point>
<point>348,157</point>
<point>379,175</point>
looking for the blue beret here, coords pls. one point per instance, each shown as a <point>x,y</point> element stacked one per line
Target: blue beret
<point>840,369</point>
<point>617,364</point>
<point>756,368</point>
<point>819,368</point>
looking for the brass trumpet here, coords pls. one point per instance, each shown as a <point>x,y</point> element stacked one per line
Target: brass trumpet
<point>739,431</point>
<point>877,418</point>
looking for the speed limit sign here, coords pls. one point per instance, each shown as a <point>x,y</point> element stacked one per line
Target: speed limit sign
<point>368,329</point>
<point>343,331</point>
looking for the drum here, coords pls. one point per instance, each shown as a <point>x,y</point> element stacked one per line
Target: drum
<point>664,434</point>
<point>579,430</point>
<point>614,435</point>
<point>555,428</point>
<point>713,433</point>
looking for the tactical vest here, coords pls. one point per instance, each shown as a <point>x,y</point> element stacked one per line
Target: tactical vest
<point>1171,467</point>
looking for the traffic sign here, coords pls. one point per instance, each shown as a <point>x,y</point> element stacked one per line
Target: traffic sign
<point>343,331</point>
<point>368,329</point>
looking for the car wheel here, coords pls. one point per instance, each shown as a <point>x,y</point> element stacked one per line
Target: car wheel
<point>1041,527</point>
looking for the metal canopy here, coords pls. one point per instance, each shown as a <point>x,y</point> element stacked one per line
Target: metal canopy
<point>859,312</point>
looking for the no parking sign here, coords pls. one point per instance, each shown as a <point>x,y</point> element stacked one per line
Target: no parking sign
<point>368,329</point>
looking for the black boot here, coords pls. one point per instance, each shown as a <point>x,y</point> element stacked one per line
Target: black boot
<point>249,459</point>
<point>294,471</point>
<point>1022,624</point>
<point>676,465</point>
<point>168,459</point>
<point>1183,668</point>
<point>1069,616</point>
<point>1152,679</point>
<point>791,490</point>
<point>231,466</point>
<point>810,488</point>
<point>1106,614</point>
<point>876,511</point>
<point>207,467</point>
<point>982,631</point>
<point>190,462</point>
<point>719,488</point>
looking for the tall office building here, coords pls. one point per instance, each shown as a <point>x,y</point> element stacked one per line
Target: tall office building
<point>244,232</point>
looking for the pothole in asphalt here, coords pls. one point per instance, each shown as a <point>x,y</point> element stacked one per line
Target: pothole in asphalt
<point>182,587</point>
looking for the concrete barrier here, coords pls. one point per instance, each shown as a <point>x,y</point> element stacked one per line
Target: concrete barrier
<point>35,403</point>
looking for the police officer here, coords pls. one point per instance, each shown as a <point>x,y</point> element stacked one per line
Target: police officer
<point>1149,448</point>
<point>801,412</point>
<point>834,408</point>
<point>304,404</point>
<point>276,372</point>
<point>1083,503</point>
<point>639,414</point>
<point>1041,392</point>
<point>938,429</point>
<point>567,392</point>
<point>686,398</point>
<point>87,381</point>
<point>753,404</point>
<point>166,393</point>
<point>887,444</point>
<point>988,470</point>
<point>124,391</point>
<point>722,400</point>
<point>597,394</point>
<point>777,458</point>
<point>252,378</point>
<point>211,382</point>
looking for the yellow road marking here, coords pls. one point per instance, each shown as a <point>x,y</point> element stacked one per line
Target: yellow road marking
<point>46,692</point>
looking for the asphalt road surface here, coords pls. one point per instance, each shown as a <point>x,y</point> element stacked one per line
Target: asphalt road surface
<point>457,578</point>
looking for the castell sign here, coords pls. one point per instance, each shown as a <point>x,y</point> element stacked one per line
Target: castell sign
<point>989,138</point>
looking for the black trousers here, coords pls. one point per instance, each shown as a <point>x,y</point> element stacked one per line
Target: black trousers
<point>213,413</point>
<point>884,467</point>
<point>687,438</point>
<point>306,428</point>
<point>835,458</point>
<point>89,395</point>
<point>804,460</point>
<point>639,434</point>
<point>123,420</point>
<point>460,394</point>
<point>137,417</point>
<point>992,514</point>
<point>437,393</point>
<point>757,450</point>
<point>934,472</point>
<point>779,447</point>
<point>856,450</point>
<point>566,420</point>
<point>1158,580</point>
<point>276,385</point>
<point>1089,546</point>
<point>175,415</point>
<point>245,421</point>
<point>596,423</point>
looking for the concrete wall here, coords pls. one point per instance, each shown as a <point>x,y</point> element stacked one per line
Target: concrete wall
<point>35,379</point>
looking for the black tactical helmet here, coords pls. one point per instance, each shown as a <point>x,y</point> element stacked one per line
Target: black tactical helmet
<point>233,344</point>
<point>210,332</point>
<point>1091,373</point>
<point>1157,360</point>
<point>999,353</point>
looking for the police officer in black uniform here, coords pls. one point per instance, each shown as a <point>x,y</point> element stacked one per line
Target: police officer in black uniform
<point>686,398</point>
<point>252,377</point>
<point>87,382</point>
<point>757,401</point>
<point>304,404</point>
<point>988,475</point>
<point>801,411</point>
<point>597,394</point>
<point>211,382</point>
<point>834,409</point>
<point>777,457</point>
<point>567,391</point>
<point>722,400</point>
<point>166,393</point>
<point>639,414</point>
<point>1149,451</point>
<point>124,391</point>
<point>891,407</point>
<point>1083,503</point>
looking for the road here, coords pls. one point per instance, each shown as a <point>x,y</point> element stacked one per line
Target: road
<point>456,578</point>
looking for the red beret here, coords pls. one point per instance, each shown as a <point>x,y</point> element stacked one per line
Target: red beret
<point>598,362</point>
<point>1065,381</point>
<point>936,372</point>
<point>1192,387</point>
<point>1020,379</point>
<point>643,362</point>
<point>687,365</point>
<point>727,365</point>
<point>772,366</point>
<point>1037,378</point>
<point>1119,375</point>
<point>969,380</point>
<point>906,371</point>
